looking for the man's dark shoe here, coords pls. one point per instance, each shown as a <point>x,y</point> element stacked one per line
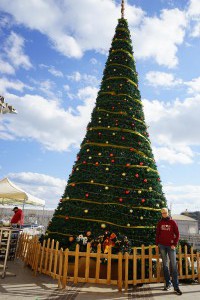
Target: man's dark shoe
<point>167,287</point>
<point>178,291</point>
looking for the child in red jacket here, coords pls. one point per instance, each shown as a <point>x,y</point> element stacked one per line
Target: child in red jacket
<point>167,236</point>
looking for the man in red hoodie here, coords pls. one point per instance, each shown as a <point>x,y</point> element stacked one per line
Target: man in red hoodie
<point>167,236</point>
<point>18,217</point>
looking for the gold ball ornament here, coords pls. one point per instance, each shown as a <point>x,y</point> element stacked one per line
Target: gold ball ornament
<point>141,218</point>
<point>113,133</point>
<point>103,225</point>
<point>67,198</point>
<point>128,225</point>
<point>86,211</point>
<point>90,157</point>
<point>88,150</point>
<point>107,142</point>
<point>150,188</point>
<point>92,181</point>
<point>131,210</point>
<point>77,169</point>
<point>157,205</point>
<point>123,174</point>
<point>139,192</point>
<point>107,169</point>
<point>108,126</point>
<point>106,188</point>
<point>99,154</point>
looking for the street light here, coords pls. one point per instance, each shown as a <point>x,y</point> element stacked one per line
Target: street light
<point>5,108</point>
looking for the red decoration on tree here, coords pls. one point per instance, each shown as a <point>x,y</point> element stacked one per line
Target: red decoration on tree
<point>128,165</point>
<point>143,200</point>
<point>112,160</point>
<point>120,199</point>
<point>127,192</point>
<point>111,154</point>
<point>67,218</point>
<point>158,179</point>
<point>84,162</point>
<point>73,184</point>
<point>141,163</point>
<point>61,200</point>
<point>96,163</point>
<point>123,138</point>
<point>87,195</point>
<point>131,149</point>
<point>136,175</point>
<point>99,133</point>
<point>145,180</point>
<point>113,108</point>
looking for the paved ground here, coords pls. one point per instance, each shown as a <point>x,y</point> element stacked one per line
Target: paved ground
<point>24,286</point>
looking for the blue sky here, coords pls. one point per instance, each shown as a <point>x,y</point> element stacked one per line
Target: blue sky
<point>51,62</point>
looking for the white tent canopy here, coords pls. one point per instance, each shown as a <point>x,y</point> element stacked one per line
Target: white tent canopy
<point>12,194</point>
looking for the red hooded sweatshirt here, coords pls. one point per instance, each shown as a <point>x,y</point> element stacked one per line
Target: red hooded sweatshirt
<point>167,232</point>
<point>18,217</point>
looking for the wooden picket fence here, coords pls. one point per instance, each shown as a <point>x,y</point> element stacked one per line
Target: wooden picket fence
<point>143,266</point>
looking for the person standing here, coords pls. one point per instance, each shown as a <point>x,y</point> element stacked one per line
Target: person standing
<point>167,237</point>
<point>18,217</point>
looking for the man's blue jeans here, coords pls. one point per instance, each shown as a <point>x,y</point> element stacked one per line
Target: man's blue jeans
<point>168,254</point>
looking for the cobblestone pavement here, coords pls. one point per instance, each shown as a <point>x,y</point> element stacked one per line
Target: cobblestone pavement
<point>25,286</point>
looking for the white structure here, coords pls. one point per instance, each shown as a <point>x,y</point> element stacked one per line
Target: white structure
<point>6,108</point>
<point>188,228</point>
<point>12,194</point>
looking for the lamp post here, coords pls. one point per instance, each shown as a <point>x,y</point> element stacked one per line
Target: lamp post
<point>5,108</point>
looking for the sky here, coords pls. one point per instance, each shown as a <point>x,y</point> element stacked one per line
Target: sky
<point>52,57</point>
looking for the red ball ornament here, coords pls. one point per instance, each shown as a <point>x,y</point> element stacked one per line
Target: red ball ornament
<point>61,200</point>
<point>127,192</point>
<point>145,180</point>
<point>113,108</point>
<point>84,162</point>
<point>128,165</point>
<point>120,199</point>
<point>131,149</point>
<point>112,160</point>
<point>143,200</point>
<point>78,157</point>
<point>87,195</point>
<point>99,133</point>
<point>158,179</point>
<point>123,138</point>
<point>73,184</point>
<point>141,163</point>
<point>67,218</point>
<point>139,143</point>
<point>111,154</point>
<point>136,175</point>
<point>96,163</point>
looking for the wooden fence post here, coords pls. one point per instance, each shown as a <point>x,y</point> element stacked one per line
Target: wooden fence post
<point>76,264</point>
<point>126,262</point>
<point>98,263</point>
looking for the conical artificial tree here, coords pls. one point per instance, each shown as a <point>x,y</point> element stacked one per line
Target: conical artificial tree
<point>114,184</point>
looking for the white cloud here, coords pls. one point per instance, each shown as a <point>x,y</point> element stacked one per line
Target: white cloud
<point>14,50</point>
<point>174,127</point>
<point>7,84</point>
<point>159,38</point>
<point>77,77</point>
<point>6,68</point>
<point>173,155</point>
<point>183,197</point>
<point>194,86</point>
<point>162,79</point>
<point>40,185</point>
<point>193,14</point>
<point>49,124</point>
<point>52,70</point>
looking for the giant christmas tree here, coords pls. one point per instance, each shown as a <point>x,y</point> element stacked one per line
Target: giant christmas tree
<point>114,184</point>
